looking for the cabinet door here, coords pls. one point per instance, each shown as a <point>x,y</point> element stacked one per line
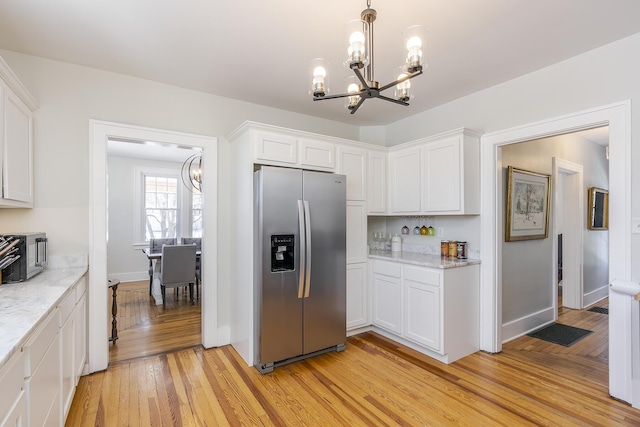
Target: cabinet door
<point>80,340</point>
<point>356,295</point>
<point>405,181</point>
<point>317,154</point>
<point>377,182</point>
<point>43,389</point>
<point>67,335</point>
<point>12,380</point>
<point>17,415</point>
<point>422,305</point>
<point>17,172</point>
<point>387,296</point>
<point>276,148</point>
<point>352,162</point>
<point>442,176</point>
<point>356,232</point>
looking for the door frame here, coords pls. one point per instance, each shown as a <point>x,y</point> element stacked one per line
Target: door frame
<point>100,133</point>
<point>572,289</point>
<point>618,117</point>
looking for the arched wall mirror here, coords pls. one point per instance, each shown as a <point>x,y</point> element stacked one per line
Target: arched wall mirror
<point>598,207</point>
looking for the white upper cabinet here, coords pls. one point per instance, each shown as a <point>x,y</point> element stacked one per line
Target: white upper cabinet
<point>276,147</point>
<point>438,175</point>
<point>356,232</point>
<point>16,141</point>
<point>317,154</point>
<point>352,162</point>
<point>377,183</point>
<point>405,181</point>
<point>452,175</point>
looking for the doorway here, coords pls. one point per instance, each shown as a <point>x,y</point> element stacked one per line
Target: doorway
<point>617,116</point>
<point>567,178</point>
<point>147,198</point>
<point>100,132</point>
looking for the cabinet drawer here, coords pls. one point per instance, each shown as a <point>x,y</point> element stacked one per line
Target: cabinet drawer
<point>65,307</point>
<point>387,269</point>
<point>421,275</point>
<point>81,288</point>
<point>39,343</point>
<point>12,380</point>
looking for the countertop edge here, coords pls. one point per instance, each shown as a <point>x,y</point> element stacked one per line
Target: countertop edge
<point>75,274</point>
<point>422,260</point>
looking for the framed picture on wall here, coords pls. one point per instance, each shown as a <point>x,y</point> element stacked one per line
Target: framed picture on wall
<point>527,205</point>
<point>598,206</point>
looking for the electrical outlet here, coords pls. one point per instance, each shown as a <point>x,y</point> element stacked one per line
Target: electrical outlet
<point>440,231</point>
<point>635,225</point>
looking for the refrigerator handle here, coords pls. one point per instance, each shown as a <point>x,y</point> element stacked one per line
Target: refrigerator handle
<point>302,249</point>
<point>307,227</point>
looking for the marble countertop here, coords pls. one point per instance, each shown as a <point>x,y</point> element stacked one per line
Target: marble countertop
<point>422,260</point>
<point>24,305</point>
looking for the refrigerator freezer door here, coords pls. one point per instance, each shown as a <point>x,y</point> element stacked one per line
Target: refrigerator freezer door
<point>278,307</point>
<point>325,307</point>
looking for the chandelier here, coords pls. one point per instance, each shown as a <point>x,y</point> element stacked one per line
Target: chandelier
<point>360,59</point>
<point>192,172</point>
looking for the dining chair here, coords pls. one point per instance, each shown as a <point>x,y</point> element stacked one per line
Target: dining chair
<point>198,242</point>
<point>178,268</point>
<point>155,245</point>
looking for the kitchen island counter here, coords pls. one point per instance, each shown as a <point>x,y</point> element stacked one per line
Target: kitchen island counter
<point>422,260</point>
<point>24,305</point>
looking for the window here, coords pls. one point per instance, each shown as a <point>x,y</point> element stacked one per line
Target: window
<point>164,207</point>
<point>160,207</point>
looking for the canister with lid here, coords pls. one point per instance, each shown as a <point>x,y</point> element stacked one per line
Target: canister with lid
<point>453,248</point>
<point>444,248</point>
<point>462,250</point>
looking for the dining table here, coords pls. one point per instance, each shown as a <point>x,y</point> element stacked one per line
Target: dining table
<point>156,259</point>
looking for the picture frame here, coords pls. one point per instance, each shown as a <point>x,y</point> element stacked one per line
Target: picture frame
<point>598,209</point>
<point>527,205</point>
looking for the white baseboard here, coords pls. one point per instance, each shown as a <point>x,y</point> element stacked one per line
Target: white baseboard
<point>133,276</point>
<point>595,296</point>
<point>526,324</point>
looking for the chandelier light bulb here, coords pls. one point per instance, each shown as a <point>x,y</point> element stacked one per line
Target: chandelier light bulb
<point>356,47</point>
<point>318,83</point>
<point>402,89</point>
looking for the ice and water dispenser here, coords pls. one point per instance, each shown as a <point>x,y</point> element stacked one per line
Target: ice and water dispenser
<point>282,247</point>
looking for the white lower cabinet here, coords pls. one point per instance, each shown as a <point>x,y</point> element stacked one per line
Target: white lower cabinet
<point>433,310</point>
<point>39,381</point>
<point>42,373</point>
<point>13,411</point>
<point>357,295</point>
<point>387,296</point>
<point>422,305</point>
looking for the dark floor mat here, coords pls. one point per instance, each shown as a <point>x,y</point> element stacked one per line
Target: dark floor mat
<point>560,334</point>
<point>602,310</point>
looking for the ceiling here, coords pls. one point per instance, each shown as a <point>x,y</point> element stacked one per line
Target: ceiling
<point>260,51</point>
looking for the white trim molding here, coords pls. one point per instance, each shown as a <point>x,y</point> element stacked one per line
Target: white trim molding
<point>618,117</point>
<point>100,132</point>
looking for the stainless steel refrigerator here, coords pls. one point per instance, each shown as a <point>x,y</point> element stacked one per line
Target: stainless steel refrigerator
<point>300,256</point>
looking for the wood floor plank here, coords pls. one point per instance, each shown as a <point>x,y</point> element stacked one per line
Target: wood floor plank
<point>374,382</point>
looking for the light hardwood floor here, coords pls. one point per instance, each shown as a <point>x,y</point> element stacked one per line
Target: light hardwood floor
<point>145,329</point>
<point>373,382</point>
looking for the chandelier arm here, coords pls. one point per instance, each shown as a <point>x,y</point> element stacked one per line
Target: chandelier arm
<point>341,95</point>
<point>403,79</point>
<point>364,83</point>
<point>358,105</point>
<point>395,101</point>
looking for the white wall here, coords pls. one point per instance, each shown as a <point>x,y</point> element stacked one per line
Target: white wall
<point>124,261</point>
<point>70,95</point>
<point>527,266</point>
<point>599,77</point>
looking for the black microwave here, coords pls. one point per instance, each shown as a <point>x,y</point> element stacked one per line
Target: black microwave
<point>30,253</point>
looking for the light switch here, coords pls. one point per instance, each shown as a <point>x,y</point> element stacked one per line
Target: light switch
<point>635,225</point>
